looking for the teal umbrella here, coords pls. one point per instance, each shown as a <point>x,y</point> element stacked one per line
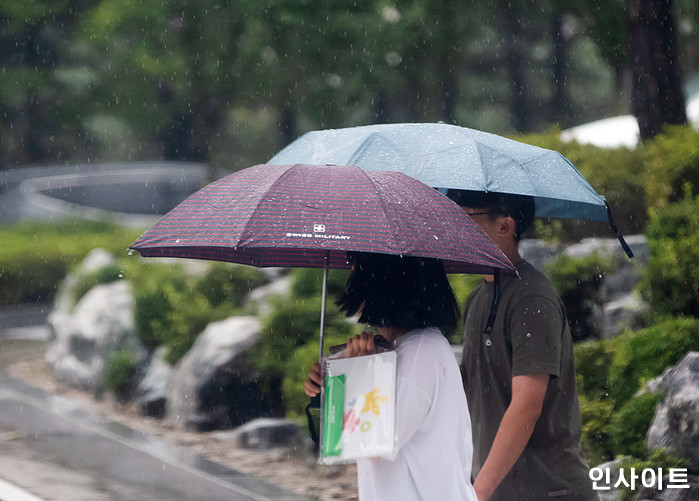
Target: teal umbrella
<point>448,157</point>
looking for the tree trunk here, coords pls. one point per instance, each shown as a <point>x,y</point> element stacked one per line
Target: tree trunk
<point>287,125</point>
<point>657,97</point>
<point>560,104</point>
<point>380,106</point>
<point>514,61</point>
<point>449,94</point>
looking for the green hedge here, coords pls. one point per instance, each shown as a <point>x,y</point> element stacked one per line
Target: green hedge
<point>610,373</point>
<point>643,355</point>
<point>671,278</point>
<point>173,307</point>
<point>35,257</point>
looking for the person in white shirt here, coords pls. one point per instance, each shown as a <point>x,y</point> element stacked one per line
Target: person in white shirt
<point>408,300</point>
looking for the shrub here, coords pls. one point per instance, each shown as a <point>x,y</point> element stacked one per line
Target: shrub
<point>671,278</point>
<point>630,424</point>
<point>227,284</point>
<point>294,325</point>
<point>462,285</point>
<point>592,362</point>
<point>308,282</point>
<point>643,355</point>
<point>104,275</point>
<point>169,309</point>
<point>596,438</point>
<point>671,159</point>
<point>35,257</point>
<point>119,370</point>
<point>578,281</point>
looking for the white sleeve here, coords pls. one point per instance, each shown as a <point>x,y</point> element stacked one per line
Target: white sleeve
<point>412,407</point>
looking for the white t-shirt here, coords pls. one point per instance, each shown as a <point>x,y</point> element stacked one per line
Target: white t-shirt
<point>433,428</point>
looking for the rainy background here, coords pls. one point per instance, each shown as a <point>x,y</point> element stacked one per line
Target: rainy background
<point>112,112</point>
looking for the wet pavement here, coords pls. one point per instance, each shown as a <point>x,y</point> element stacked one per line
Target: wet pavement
<point>56,449</point>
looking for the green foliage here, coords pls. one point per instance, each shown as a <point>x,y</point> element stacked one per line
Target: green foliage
<point>672,160</point>
<point>596,438</point>
<point>227,285</point>
<point>642,355</point>
<point>284,351</point>
<point>171,308</point>
<point>630,424</point>
<point>578,281</point>
<point>35,257</point>
<point>671,278</point>
<point>119,370</point>
<point>592,362</point>
<point>308,282</point>
<point>462,285</point>
<point>102,275</point>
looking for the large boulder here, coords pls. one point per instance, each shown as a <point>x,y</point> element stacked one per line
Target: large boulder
<point>676,422</point>
<point>214,386</point>
<point>83,340</point>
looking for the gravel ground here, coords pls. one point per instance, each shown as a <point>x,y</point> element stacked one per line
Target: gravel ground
<point>294,472</point>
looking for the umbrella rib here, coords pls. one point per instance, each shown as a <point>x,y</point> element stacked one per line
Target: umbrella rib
<point>383,205</point>
<point>257,207</point>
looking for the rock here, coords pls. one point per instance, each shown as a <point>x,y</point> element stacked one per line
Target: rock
<point>269,433</point>
<point>261,297</point>
<point>626,312</point>
<point>94,261</point>
<point>214,386</point>
<point>676,422</point>
<point>656,385</point>
<point>538,252</point>
<point>151,393</point>
<point>625,276</point>
<point>101,323</point>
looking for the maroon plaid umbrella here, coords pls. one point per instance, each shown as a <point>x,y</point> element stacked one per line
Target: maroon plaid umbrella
<point>311,216</point>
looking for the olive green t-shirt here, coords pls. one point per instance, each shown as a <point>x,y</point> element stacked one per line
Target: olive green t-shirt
<point>530,336</point>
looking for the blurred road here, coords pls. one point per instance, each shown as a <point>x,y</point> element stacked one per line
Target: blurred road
<point>57,450</point>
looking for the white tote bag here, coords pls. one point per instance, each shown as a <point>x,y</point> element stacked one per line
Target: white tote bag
<point>359,408</point>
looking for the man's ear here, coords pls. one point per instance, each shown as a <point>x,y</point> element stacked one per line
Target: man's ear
<point>506,226</point>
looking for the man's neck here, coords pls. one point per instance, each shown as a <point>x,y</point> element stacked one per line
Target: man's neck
<point>511,252</point>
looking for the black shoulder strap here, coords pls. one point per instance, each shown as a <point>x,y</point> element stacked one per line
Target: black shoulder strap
<point>493,307</point>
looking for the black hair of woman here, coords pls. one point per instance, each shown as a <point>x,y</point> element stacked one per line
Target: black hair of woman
<point>399,291</point>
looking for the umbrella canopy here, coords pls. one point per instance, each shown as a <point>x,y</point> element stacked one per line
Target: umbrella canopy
<point>450,157</point>
<point>311,216</point>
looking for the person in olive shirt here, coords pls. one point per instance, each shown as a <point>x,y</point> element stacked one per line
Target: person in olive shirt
<point>520,385</point>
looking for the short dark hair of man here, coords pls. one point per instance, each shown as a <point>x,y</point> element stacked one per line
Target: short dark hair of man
<point>519,207</point>
<point>399,291</point>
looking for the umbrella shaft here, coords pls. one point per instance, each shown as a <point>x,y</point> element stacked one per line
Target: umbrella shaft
<point>322,308</point>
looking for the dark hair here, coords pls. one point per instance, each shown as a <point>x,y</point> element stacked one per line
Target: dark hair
<point>519,207</point>
<point>399,291</point>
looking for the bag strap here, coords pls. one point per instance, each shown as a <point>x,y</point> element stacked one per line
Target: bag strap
<point>313,404</point>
